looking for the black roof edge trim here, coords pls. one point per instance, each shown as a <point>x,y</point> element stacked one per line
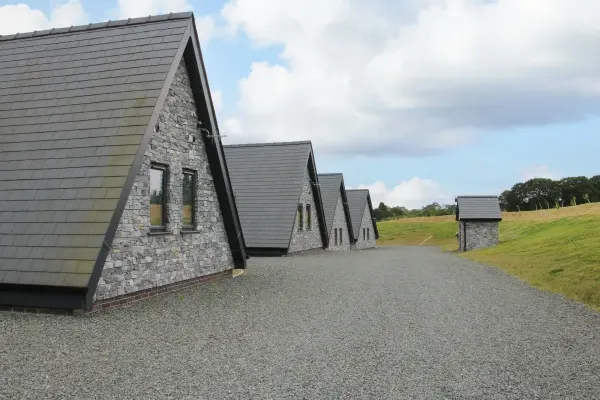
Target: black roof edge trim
<point>133,172</point>
<point>216,156</point>
<point>372,216</point>
<point>267,251</point>
<point>480,219</point>
<point>312,168</point>
<point>47,297</point>
<point>346,209</point>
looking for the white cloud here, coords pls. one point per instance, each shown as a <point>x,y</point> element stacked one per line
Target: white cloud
<point>143,8</point>
<point>217,99</point>
<point>416,76</point>
<point>205,26</point>
<point>21,18</point>
<point>537,171</point>
<point>413,193</point>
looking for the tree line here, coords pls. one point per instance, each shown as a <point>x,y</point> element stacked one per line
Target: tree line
<point>383,212</point>
<point>540,193</point>
<point>535,194</point>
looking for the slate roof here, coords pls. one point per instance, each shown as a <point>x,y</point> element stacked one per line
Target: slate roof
<point>75,106</point>
<point>357,200</point>
<point>332,187</point>
<point>478,207</point>
<point>267,180</point>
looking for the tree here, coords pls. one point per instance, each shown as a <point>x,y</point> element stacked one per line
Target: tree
<point>576,187</point>
<point>595,182</point>
<point>542,192</point>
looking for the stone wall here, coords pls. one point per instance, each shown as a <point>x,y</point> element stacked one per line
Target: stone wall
<point>366,223</point>
<point>139,261</point>
<point>480,235</point>
<point>306,239</point>
<point>339,222</point>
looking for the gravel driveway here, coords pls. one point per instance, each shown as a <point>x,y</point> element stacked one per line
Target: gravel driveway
<point>390,323</point>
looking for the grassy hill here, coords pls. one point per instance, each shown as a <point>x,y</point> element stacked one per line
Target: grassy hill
<point>556,250</point>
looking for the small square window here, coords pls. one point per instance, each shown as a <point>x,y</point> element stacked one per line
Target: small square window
<point>158,197</point>
<point>188,217</point>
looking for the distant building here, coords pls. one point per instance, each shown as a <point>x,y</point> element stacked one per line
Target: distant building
<point>363,220</point>
<point>337,212</point>
<point>478,222</point>
<point>276,190</point>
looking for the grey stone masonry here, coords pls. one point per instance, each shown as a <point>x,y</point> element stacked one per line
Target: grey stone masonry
<point>475,235</point>
<point>366,240</point>
<point>306,239</point>
<point>139,261</point>
<point>341,224</point>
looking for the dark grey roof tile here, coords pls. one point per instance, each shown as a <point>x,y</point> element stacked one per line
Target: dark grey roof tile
<point>254,184</point>
<point>68,105</point>
<point>478,207</point>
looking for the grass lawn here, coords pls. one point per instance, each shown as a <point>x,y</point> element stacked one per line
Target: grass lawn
<point>553,250</point>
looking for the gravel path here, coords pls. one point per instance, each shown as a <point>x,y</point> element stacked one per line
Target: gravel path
<point>391,323</point>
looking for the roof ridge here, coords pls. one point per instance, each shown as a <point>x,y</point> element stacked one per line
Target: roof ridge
<point>99,25</point>
<point>330,173</point>
<point>357,190</point>
<point>268,144</point>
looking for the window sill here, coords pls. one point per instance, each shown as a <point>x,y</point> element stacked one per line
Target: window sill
<point>159,233</point>
<point>189,231</point>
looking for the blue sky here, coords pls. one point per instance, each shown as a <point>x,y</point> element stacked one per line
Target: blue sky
<point>492,159</point>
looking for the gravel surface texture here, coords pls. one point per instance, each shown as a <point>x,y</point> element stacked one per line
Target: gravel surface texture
<point>388,323</point>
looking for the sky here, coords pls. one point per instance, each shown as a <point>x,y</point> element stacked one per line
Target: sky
<point>417,100</point>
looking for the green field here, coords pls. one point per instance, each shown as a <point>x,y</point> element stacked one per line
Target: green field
<point>556,250</point>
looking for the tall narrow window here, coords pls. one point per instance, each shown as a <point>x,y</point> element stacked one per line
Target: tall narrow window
<point>364,235</point>
<point>158,197</point>
<point>335,234</point>
<point>368,233</point>
<point>188,217</point>
<point>300,217</point>
<point>308,218</point>
<point>341,236</point>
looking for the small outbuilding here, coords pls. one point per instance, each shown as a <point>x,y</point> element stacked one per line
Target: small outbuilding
<point>337,212</point>
<point>113,182</point>
<point>276,190</point>
<point>364,225</point>
<point>478,222</point>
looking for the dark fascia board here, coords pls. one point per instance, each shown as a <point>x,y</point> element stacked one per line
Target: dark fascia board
<point>135,168</point>
<point>372,216</point>
<point>266,251</point>
<point>216,157</point>
<point>42,296</point>
<point>312,169</point>
<point>480,219</point>
<point>347,211</point>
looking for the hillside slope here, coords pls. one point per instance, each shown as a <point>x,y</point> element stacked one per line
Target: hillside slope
<point>555,250</point>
